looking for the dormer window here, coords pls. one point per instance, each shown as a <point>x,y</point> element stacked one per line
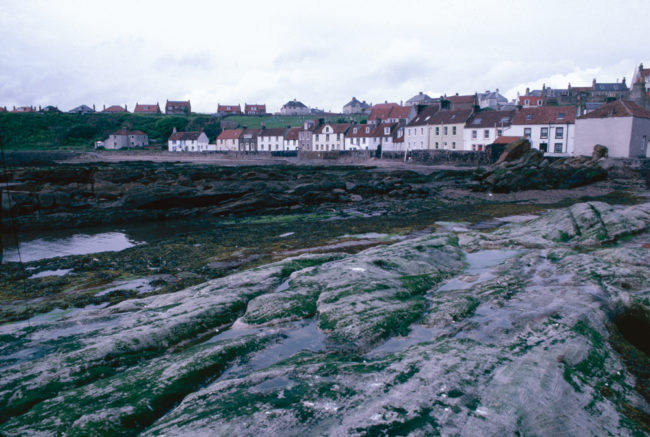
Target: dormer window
<point>526,102</point>
<point>386,131</point>
<point>529,117</point>
<point>560,116</point>
<point>539,103</point>
<point>367,130</point>
<point>355,130</point>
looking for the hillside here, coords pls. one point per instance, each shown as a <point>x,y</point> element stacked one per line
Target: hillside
<point>56,131</point>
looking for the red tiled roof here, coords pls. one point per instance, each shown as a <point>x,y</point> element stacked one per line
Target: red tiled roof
<point>619,108</point>
<point>450,117</point>
<point>235,109</point>
<point>185,136</point>
<point>546,115</point>
<point>114,108</point>
<point>128,132</point>
<point>400,112</point>
<point>147,109</point>
<point>485,119</point>
<point>230,134</point>
<point>361,131</point>
<point>338,128</point>
<point>532,100</point>
<point>461,99</point>
<point>254,108</point>
<point>382,111</point>
<point>293,133</point>
<point>273,132</point>
<point>506,140</point>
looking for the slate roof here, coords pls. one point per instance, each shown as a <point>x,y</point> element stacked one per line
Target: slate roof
<point>418,98</point>
<point>230,134</point>
<point>450,117</point>
<point>185,136</point>
<point>546,115</point>
<point>425,116</point>
<point>487,119</point>
<point>273,132</point>
<point>128,132</point>
<point>355,102</point>
<point>294,104</point>
<point>618,87</point>
<point>618,108</point>
<point>361,131</point>
<point>81,109</point>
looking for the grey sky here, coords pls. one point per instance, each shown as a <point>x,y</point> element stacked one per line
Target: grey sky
<point>68,53</point>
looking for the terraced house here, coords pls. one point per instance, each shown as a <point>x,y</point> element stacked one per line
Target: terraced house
<point>189,142</point>
<point>549,129</point>
<point>330,136</point>
<point>271,139</point>
<point>485,127</point>
<point>228,140</point>
<point>292,138</point>
<point>447,129</point>
<point>417,134</point>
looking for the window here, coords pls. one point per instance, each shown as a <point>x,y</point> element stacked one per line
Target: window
<point>386,131</point>
<point>421,131</point>
<point>527,132</point>
<point>444,130</point>
<point>529,117</point>
<point>559,132</point>
<point>526,102</point>
<point>560,116</point>
<point>499,132</point>
<point>486,133</point>
<point>539,102</point>
<point>543,133</point>
<point>316,137</point>
<point>473,134</point>
<point>327,137</point>
<point>367,129</point>
<point>338,137</point>
<point>436,144</point>
<point>557,148</point>
<point>437,131</point>
<point>453,145</point>
<point>453,130</point>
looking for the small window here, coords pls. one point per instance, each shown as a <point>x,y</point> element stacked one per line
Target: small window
<point>557,148</point>
<point>560,116</point>
<point>539,102</point>
<point>437,131</point>
<point>527,132</point>
<point>526,102</point>
<point>453,145</point>
<point>453,130</point>
<point>486,133</point>
<point>559,132</point>
<point>444,130</point>
<point>421,131</point>
<point>543,133</point>
<point>499,132</point>
<point>529,117</point>
<point>355,130</point>
<point>474,134</point>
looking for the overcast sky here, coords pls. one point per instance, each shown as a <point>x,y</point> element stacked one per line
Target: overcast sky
<point>67,53</point>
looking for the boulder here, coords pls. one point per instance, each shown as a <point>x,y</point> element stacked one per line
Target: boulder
<point>600,151</point>
<point>514,150</point>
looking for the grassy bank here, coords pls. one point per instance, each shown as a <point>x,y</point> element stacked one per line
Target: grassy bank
<point>62,131</point>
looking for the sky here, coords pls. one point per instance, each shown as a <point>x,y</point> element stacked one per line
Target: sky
<point>105,52</point>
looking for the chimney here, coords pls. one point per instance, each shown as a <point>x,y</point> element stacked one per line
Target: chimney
<point>527,91</point>
<point>104,107</point>
<point>93,107</point>
<point>125,108</point>
<point>623,82</point>
<point>593,82</point>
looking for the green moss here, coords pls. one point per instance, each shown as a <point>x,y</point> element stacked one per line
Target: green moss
<point>422,421</point>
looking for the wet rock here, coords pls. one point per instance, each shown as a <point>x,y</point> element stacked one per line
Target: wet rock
<point>600,151</point>
<point>514,151</point>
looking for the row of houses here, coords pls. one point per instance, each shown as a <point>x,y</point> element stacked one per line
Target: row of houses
<point>623,125</point>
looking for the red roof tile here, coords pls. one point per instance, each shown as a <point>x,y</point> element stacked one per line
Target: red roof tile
<point>114,108</point>
<point>546,115</point>
<point>254,108</point>
<point>382,111</point>
<point>229,109</point>
<point>361,131</point>
<point>400,112</point>
<point>506,139</point>
<point>293,133</point>
<point>128,132</point>
<point>461,99</point>
<point>618,108</point>
<point>230,134</point>
<point>147,109</point>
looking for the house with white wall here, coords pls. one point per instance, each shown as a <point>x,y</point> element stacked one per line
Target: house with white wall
<point>358,137</point>
<point>228,140</point>
<point>125,139</point>
<point>292,138</point>
<point>485,127</point>
<point>550,129</point>
<point>330,136</point>
<point>271,139</point>
<point>416,132</point>
<point>447,127</point>
<point>189,142</point>
<point>622,126</point>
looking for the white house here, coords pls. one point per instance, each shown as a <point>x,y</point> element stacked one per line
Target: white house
<point>330,136</point>
<point>189,142</point>
<point>485,127</point>
<point>550,129</point>
<point>622,126</point>
<point>228,140</point>
<point>292,138</point>
<point>271,139</point>
<point>294,107</point>
<point>491,99</point>
<point>125,139</point>
<point>416,132</point>
<point>354,106</point>
<point>447,127</point>
<point>359,137</point>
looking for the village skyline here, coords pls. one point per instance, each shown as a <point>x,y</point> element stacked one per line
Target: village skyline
<point>70,53</point>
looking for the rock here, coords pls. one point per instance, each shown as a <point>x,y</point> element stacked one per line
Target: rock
<point>514,150</point>
<point>45,200</point>
<point>599,152</point>
<point>356,198</point>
